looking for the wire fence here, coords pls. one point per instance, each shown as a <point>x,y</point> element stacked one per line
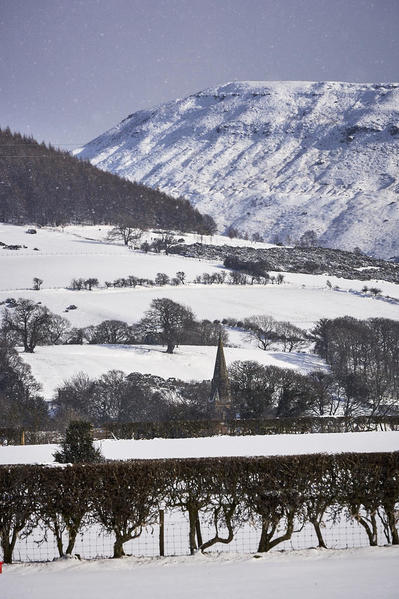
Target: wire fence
<point>93,542</point>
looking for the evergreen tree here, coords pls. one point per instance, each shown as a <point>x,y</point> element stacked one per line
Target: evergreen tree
<point>42,185</point>
<point>78,446</point>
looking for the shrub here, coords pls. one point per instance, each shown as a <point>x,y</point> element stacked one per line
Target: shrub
<point>78,446</point>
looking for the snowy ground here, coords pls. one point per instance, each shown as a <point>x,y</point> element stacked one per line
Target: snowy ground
<point>364,573</point>
<point>301,306</point>
<point>77,252</point>
<point>82,251</point>
<point>51,365</point>
<point>222,446</point>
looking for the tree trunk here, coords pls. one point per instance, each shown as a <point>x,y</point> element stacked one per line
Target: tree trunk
<point>389,510</point>
<point>8,545</point>
<point>316,526</point>
<point>371,531</point>
<point>199,533</point>
<point>264,539</point>
<point>217,538</point>
<point>118,547</point>
<point>57,532</point>
<point>59,546</point>
<point>193,517</point>
<point>170,347</point>
<point>267,542</point>
<point>7,553</point>
<point>72,533</point>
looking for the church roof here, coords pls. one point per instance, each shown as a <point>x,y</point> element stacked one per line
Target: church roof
<point>220,388</point>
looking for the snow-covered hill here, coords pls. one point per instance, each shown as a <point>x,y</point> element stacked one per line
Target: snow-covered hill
<point>53,364</point>
<point>278,158</point>
<point>83,251</point>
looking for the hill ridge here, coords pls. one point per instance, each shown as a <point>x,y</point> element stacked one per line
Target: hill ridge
<point>276,158</point>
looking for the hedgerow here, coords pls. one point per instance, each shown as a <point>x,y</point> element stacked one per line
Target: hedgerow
<point>277,494</point>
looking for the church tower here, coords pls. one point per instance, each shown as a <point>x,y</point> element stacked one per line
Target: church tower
<point>220,397</point>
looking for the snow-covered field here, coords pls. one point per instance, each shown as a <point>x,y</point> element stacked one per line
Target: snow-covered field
<point>75,252</point>
<point>83,251</point>
<point>219,446</point>
<point>366,573</point>
<point>301,306</point>
<point>51,365</point>
<point>302,299</point>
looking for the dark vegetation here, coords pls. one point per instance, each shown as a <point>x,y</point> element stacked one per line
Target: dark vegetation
<point>161,279</point>
<point>42,185</point>
<point>277,495</point>
<point>30,324</point>
<point>309,260</point>
<point>290,425</point>
<point>78,445</point>
<point>362,355</point>
<point>118,398</point>
<point>20,402</point>
<point>260,394</point>
<point>364,360</point>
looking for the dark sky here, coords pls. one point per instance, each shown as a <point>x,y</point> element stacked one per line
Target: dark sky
<point>71,69</point>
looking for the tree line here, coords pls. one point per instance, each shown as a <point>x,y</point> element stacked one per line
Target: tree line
<point>259,394</point>
<point>43,185</point>
<point>362,356</point>
<point>31,324</point>
<point>161,279</point>
<point>364,359</point>
<point>277,495</point>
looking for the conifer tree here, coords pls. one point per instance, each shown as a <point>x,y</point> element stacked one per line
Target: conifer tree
<point>78,446</point>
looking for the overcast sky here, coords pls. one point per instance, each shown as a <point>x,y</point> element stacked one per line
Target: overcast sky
<point>70,69</point>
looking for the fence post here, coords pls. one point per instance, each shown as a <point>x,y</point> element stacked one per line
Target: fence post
<point>161,531</point>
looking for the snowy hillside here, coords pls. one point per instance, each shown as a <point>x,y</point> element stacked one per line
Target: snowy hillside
<point>73,252</point>
<point>77,251</point>
<point>278,158</point>
<point>52,365</point>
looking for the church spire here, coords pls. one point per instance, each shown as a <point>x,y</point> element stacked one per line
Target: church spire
<point>220,397</point>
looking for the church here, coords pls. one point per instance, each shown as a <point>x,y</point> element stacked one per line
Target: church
<point>220,402</point>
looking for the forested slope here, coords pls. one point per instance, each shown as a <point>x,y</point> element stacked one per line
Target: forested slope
<point>42,185</point>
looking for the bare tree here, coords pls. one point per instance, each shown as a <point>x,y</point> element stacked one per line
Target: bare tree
<point>161,279</point>
<point>168,319</point>
<point>127,231</point>
<point>32,324</point>
<point>308,239</point>
<point>290,336</point>
<point>263,328</point>
<point>114,332</point>
<point>181,275</point>
<point>37,283</point>
<point>90,283</point>
<point>164,243</point>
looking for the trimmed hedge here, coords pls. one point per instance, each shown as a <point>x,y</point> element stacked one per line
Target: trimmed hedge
<point>272,492</point>
<point>179,429</point>
<point>174,429</point>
